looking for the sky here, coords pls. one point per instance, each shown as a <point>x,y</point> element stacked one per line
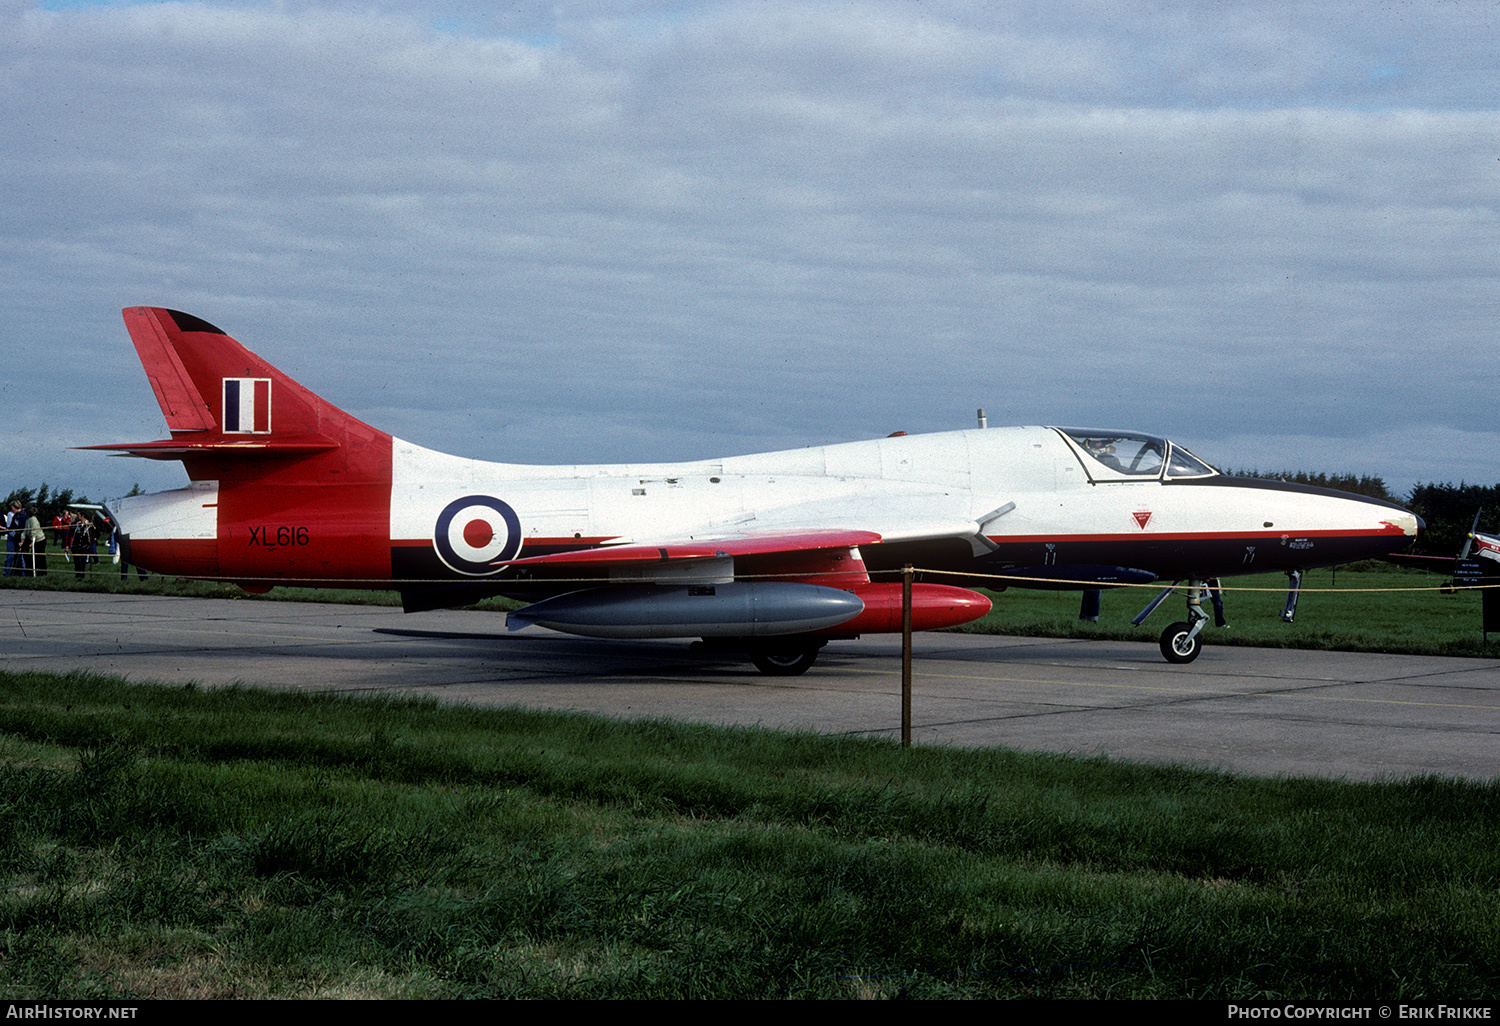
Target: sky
<point>623,230</point>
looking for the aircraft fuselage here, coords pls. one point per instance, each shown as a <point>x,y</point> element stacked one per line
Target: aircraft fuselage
<point>905,488</point>
<point>287,489</point>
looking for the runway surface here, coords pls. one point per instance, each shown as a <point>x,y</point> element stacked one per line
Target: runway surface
<point>1261,711</point>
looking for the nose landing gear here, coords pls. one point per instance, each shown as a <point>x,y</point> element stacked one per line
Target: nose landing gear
<point>1180,643</point>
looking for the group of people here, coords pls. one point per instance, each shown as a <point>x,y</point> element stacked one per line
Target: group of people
<point>76,532</point>
<point>24,540</point>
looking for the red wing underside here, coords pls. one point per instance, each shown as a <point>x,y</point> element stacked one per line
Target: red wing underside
<point>790,544</point>
<point>829,557</point>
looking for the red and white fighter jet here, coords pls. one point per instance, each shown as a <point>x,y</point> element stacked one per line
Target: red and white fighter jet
<point>774,553</point>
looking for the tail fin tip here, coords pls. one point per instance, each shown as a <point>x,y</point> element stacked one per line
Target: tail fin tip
<point>187,322</point>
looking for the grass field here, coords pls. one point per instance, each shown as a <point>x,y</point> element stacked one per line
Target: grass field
<point>174,842</point>
<point>171,842</point>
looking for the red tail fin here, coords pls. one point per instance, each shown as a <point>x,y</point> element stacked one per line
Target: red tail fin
<point>224,404</point>
<point>287,487</point>
<point>181,402</point>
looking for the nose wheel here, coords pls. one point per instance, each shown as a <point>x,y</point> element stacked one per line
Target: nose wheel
<point>1180,642</point>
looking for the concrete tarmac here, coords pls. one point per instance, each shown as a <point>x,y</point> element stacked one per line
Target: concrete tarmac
<point>1270,712</point>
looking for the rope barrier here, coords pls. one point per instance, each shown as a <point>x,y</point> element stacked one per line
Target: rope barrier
<point>1157,585</point>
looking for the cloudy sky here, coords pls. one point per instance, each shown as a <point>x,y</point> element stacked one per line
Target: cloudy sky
<point>631,230</point>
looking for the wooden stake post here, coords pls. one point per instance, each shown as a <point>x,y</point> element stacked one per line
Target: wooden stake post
<point>906,576</point>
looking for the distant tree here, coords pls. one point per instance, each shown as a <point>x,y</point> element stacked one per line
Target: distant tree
<point>58,502</point>
<point>47,502</point>
<point>1448,511</point>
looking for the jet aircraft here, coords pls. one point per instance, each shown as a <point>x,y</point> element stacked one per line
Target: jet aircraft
<point>774,554</point>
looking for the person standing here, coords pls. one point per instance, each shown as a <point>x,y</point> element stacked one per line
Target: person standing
<point>118,552</point>
<point>15,520</point>
<point>35,540</point>
<point>62,523</point>
<point>81,543</point>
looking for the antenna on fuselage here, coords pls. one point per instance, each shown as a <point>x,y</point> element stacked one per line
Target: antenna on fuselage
<point>983,420</point>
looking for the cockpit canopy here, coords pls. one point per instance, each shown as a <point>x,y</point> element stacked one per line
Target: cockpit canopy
<point>1126,456</point>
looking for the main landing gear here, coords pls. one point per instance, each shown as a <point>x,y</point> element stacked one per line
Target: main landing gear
<point>790,658</point>
<point>1180,643</point>
<point>775,657</point>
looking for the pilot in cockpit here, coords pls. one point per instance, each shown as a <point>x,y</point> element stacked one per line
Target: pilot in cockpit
<point>1102,450</point>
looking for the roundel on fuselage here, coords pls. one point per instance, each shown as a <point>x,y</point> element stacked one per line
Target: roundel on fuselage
<point>474,533</point>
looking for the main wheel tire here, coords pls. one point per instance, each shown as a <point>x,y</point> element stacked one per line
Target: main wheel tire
<point>784,660</point>
<point>1179,644</point>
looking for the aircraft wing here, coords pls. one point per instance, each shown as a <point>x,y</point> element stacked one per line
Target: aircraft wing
<point>743,544</point>
<point>1437,564</point>
<point>919,515</point>
<point>745,584</point>
<point>824,524</point>
<point>793,533</point>
<point>1484,546</point>
<point>805,543</point>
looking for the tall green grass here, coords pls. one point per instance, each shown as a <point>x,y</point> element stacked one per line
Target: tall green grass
<point>175,842</point>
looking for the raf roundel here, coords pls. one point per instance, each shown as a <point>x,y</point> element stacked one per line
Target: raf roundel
<point>474,533</point>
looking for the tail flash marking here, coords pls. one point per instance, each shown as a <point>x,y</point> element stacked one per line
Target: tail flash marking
<point>247,406</point>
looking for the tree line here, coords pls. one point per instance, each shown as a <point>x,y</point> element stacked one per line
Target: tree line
<point>49,503</point>
<point>1360,484</point>
<point>1448,511</point>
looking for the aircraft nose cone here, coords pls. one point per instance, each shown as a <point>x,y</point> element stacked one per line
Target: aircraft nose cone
<point>1407,523</point>
<point>1399,529</point>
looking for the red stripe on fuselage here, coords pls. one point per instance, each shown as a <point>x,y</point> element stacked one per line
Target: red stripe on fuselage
<point>1389,530</point>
